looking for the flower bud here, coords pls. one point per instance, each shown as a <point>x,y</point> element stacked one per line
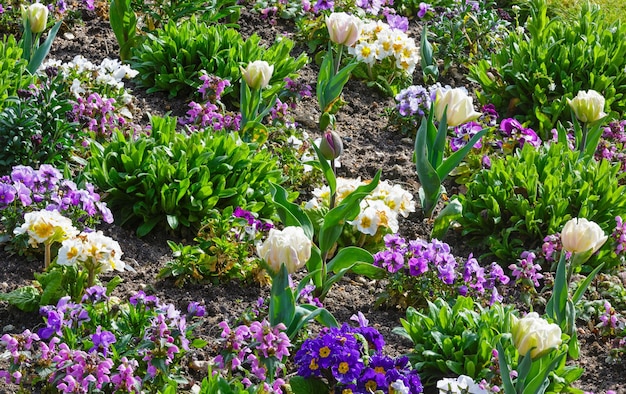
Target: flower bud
<point>258,74</point>
<point>460,106</point>
<point>331,145</point>
<point>289,246</point>
<point>580,235</point>
<point>37,15</point>
<point>343,28</point>
<point>534,334</point>
<point>588,106</point>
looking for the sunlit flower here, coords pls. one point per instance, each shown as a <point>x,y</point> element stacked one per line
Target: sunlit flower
<point>46,227</point>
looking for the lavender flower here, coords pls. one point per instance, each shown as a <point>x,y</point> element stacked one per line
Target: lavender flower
<point>424,8</point>
<point>526,270</point>
<point>619,235</point>
<point>463,134</point>
<point>515,133</point>
<point>254,349</point>
<point>413,101</point>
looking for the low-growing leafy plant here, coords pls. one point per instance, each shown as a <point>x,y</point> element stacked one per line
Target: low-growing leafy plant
<point>79,259</point>
<point>172,58</point>
<point>35,126</point>
<point>176,179</point>
<point>224,248</point>
<point>462,32</point>
<point>104,344</point>
<point>457,339</point>
<point>257,352</point>
<point>536,71</point>
<point>157,14</point>
<point>13,75</point>
<point>529,195</point>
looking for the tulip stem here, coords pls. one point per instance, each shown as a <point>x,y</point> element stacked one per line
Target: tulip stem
<point>583,140</point>
<point>338,64</point>
<point>331,204</point>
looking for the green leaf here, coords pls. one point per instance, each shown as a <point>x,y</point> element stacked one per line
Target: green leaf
<point>282,301</point>
<point>429,180</point>
<point>41,52</point>
<point>450,213</point>
<point>457,157</point>
<point>580,291</point>
<point>290,214</point>
<point>300,385</point>
<point>348,209</point>
<point>25,298</point>
<point>327,170</point>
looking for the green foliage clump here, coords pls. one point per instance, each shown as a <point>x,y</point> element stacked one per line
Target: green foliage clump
<point>529,195</point>
<point>177,179</point>
<point>538,69</point>
<point>172,58</point>
<point>34,127</point>
<point>456,339</point>
<point>225,248</point>
<point>13,75</point>
<point>158,13</point>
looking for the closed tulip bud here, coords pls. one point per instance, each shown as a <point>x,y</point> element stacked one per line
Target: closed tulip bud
<point>343,28</point>
<point>588,106</point>
<point>580,235</point>
<point>289,246</point>
<point>258,74</point>
<point>534,334</point>
<point>460,106</point>
<point>331,145</point>
<point>37,15</point>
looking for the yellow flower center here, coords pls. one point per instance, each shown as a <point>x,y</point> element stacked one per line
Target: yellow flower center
<point>313,365</point>
<point>371,386</point>
<point>43,229</point>
<point>366,222</point>
<point>379,369</point>
<point>346,391</point>
<point>324,352</point>
<point>343,367</point>
<point>72,253</point>
<point>365,51</point>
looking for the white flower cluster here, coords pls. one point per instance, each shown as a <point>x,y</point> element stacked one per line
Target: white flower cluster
<point>94,249</point>
<point>110,72</point>
<point>379,41</point>
<point>46,227</point>
<point>379,209</point>
<point>461,385</point>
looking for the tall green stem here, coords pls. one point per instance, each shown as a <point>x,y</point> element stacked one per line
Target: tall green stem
<point>583,140</point>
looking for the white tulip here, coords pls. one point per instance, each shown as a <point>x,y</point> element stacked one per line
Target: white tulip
<point>343,28</point>
<point>580,235</point>
<point>289,246</point>
<point>258,74</point>
<point>460,106</point>
<point>533,333</point>
<point>588,106</point>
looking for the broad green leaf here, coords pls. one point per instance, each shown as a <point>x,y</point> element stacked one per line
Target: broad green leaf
<point>290,214</point>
